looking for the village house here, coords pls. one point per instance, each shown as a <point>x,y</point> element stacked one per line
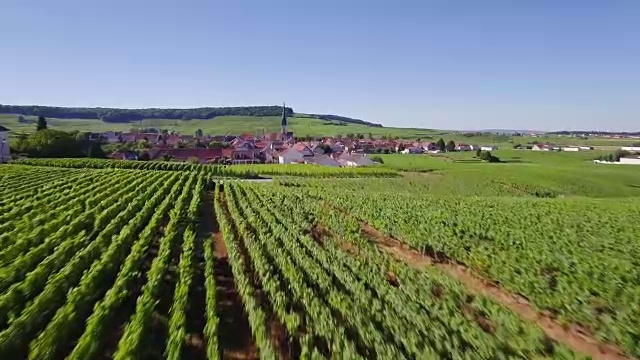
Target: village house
<point>463,147</point>
<point>111,137</point>
<point>542,147</point>
<point>295,154</point>
<point>5,152</point>
<point>630,160</point>
<point>571,148</point>
<point>488,148</point>
<point>631,148</point>
<point>124,155</point>
<point>323,160</point>
<point>201,155</point>
<point>413,150</point>
<point>352,160</point>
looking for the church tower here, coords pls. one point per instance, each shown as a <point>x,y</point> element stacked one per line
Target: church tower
<point>284,119</point>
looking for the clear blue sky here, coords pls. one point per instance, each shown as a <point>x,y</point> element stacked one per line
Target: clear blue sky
<point>557,64</point>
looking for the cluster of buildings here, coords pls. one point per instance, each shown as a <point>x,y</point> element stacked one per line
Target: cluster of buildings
<point>551,147</point>
<point>279,148</point>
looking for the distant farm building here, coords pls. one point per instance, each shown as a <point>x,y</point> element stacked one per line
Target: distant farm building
<point>631,148</point>
<point>629,160</point>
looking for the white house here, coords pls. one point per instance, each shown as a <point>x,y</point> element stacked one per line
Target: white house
<point>5,154</point>
<point>296,153</point>
<point>630,160</point>
<point>110,137</point>
<point>464,147</point>
<point>571,148</point>
<point>354,160</point>
<point>631,148</point>
<point>413,150</point>
<point>542,147</point>
<point>324,160</point>
<point>488,147</point>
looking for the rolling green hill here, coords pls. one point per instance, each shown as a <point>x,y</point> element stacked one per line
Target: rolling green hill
<point>301,126</point>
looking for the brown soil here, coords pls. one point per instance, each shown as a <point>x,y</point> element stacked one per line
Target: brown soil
<point>574,337</point>
<point>127,309</point>
<point>196,307</point>
<point>235,338</point>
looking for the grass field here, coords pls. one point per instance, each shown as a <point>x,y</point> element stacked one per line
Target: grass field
<point>532,258</point>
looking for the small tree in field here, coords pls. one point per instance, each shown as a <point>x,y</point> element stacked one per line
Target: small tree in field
<point>42,123</point>
<point>450,146</point>
<point>377,159</point>
<point>441,145</point>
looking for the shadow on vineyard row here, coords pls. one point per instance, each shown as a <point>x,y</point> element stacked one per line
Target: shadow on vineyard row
<point>235,336</point>
<point>573,336</point>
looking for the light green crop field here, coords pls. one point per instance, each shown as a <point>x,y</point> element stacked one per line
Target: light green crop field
<point>522,173</point>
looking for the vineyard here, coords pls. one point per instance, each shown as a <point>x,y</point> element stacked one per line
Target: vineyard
<point>110,260</point>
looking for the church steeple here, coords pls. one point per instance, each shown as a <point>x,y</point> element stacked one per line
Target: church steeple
<point>284,119</point>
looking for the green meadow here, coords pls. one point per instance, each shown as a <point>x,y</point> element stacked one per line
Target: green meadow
<point>521,173</point>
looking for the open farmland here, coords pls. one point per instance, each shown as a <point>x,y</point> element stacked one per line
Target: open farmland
<point>144,260</point>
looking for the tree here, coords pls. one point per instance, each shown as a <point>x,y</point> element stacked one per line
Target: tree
<point>360,136</point>
<point>21,119</point>
<point>52,143</point>
<point>620,154</point>
<point>488,157</point>
<point>95,151</point>
<point>478,153</point>
<point>42,123</point>
<point>441,145</point>
<point>199,133</point>
<point>144,156</point>
<point>377,159</point>
<point>370,136</point>
<point>450,146</point>
<point>350,136</point>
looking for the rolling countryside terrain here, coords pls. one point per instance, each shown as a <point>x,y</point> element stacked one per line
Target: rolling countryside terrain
<point>423,257</point>
<point>300,124</point>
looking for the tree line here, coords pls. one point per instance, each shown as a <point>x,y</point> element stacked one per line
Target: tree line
<point>49,143</point>
<point>116,115</point>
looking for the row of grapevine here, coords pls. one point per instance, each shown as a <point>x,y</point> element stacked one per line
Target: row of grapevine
<point>573,257</point>
<point>130,344</point>
<point>57,211</point>
<point>81,300</point>
<point>18,179</point>
<point>240,265</point>
<point>442,333</point>
<point>26,317</point>
<point>234,171</point>
<point>106,310</point>
<point>177,313</point>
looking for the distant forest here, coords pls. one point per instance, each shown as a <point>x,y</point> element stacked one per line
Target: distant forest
<point>114,115</point>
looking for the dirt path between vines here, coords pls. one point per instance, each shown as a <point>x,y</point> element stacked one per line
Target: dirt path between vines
<point>235,338</point>
<point>574,337</point>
